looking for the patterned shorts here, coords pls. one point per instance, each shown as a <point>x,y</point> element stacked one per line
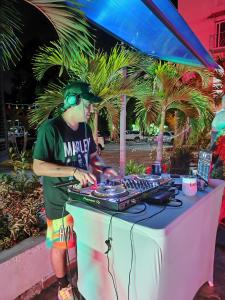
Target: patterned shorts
<point>60,233</point>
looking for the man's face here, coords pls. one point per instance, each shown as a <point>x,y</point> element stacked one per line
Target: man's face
<point>83,110</point>
<point>87,108</point>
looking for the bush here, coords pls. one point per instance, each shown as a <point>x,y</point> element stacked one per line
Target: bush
<point>21,201</point>
<point>134,168</point>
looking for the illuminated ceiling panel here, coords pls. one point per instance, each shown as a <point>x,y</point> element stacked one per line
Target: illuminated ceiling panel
<point>151,26</point>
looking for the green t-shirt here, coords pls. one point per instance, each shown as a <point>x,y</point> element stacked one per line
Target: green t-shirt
<point>58,143</point>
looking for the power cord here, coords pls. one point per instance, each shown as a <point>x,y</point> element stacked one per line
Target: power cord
<point>109,237</point>
<point>132,242</point>
<point>67,252</point>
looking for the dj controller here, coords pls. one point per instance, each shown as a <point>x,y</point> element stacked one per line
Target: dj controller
<point>118,194</point>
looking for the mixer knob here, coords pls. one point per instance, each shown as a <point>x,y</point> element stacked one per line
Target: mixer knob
<point>145,184</point>
<point>127,183</point>
<point>155,184</point>
<point>150,184</point>
<point>138,183</point>
<point>132,184</point>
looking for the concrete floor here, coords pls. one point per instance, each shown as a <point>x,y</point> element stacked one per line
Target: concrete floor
<point>140,153</point>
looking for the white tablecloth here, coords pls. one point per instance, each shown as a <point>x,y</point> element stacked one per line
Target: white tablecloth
<point>173,252</point>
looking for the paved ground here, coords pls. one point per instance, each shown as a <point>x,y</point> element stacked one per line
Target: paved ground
<point>139,152</point>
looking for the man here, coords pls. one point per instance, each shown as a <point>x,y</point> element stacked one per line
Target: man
<point>60,143</point>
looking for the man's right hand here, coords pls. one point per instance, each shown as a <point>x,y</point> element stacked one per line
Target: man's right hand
<point>84,177</point>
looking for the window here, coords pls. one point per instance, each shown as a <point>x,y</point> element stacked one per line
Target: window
<point>220,34</point>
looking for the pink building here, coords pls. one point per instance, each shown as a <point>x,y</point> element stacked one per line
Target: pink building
<point>207,20</point>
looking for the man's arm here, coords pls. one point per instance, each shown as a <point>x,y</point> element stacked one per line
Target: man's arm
<point>43,168</point>
<point>98,164</point>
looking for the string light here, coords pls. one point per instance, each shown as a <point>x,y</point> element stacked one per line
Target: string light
<point>22,105</point>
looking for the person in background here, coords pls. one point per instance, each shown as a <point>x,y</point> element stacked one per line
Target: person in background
<point>61,142</point>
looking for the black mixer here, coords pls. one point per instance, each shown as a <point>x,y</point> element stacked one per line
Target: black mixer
<point>118,194</point>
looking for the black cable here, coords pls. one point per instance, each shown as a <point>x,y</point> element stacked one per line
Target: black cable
<point>104,209</point>
<point>108,242</point>
<point>132,247</point>
<point>67,252</point>
<point>176,201</point>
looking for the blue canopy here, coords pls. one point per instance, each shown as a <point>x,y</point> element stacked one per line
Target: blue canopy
<point>151,26</point>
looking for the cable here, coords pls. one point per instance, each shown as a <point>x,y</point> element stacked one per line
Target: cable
<point>67,252</point>
<point>108,243</point>
<point>176,201</point>
<point>107,253</point>
<point>132,246</point>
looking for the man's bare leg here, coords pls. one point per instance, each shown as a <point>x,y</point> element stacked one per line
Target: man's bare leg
<point>58,260</point>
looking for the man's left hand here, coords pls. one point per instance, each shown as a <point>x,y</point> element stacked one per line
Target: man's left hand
<point>108,171</point>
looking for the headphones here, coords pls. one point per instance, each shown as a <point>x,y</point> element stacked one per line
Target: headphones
<point>71,100</point>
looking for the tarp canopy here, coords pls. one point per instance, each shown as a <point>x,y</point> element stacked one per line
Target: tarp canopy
<point>151,26</point>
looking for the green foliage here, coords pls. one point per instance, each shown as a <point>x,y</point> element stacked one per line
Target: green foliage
<point>21,200</point>
<point>134,168</point>
<point>10,26</point>
<point>19,180</point>
<point>218,172</point>
<point>67,20</point>
<point>19,215</point>
<point>102,71</point>
<point>48,103</point>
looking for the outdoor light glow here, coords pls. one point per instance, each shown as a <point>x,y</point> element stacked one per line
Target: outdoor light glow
<point>134,22</point>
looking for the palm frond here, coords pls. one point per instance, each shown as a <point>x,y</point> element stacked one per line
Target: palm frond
<point>47,103</point>
<point>46,58</point>
<point>69,23</point>
<point>10,27</point>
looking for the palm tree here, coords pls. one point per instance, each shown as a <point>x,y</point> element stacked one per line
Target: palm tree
<point>101,71</point>
<point>68,21</point>
<point>170,92</point>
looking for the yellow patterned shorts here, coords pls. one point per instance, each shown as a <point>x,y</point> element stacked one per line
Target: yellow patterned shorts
<point>60,233</point>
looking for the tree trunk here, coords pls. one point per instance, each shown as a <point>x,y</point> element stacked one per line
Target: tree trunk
<point>176,132</point>
<point>123,117</point>
<point>159,149</point>
<point>123,135</point>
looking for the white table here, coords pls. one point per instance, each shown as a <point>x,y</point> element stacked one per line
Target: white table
<point>173,251</point>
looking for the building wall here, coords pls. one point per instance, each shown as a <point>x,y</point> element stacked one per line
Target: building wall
<point>202,17</point>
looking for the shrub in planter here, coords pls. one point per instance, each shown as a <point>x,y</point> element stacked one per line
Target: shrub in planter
<point>21,201</point>
<point>134,168</point>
